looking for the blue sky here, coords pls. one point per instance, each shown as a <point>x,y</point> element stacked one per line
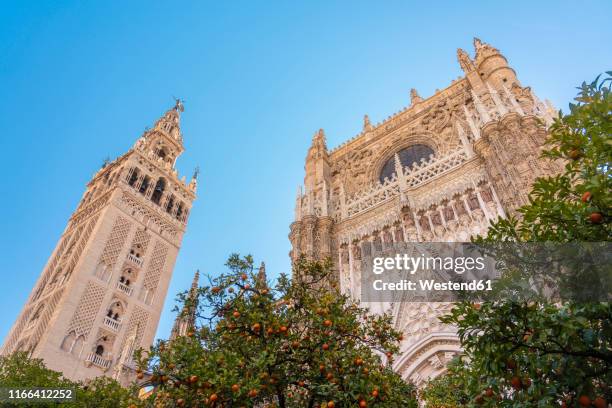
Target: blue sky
<point>81,80</point>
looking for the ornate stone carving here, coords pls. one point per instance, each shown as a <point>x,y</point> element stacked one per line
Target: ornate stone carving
<point>486,133</point>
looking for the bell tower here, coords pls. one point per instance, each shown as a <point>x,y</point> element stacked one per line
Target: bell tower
<point>100,295</point>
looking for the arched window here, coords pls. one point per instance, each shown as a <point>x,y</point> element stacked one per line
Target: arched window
<point>145,185</point>
<point>100,350</point>
<point>158,191</point>
<point>77,347</point>
<point>127,276</point>
<point>68,342</point>
<point>115,311</point>
<point>136,250</point>
<point>134,177</point>
<point>179,211</point>
<point>170,204</point>
<point>407,156</point>
<point>162,153</point>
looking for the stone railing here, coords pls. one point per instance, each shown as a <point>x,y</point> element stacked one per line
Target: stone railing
<point>420,173</point>
<point>134,259</point>
<point>98,360</point>
<point>410,177</point>
<point>124,288</point>
<point>112,324</point>
<point>377,194</point>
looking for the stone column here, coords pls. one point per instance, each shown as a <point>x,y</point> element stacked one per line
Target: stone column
<point>482,204</point>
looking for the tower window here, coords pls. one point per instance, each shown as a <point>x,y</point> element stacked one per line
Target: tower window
<point>158,191</point>
<point>179,211</point>
<point>100,349</point>
<point>170,204</point>
<point>134,177</point>
<point>145,185</point>
<point>407,156</point>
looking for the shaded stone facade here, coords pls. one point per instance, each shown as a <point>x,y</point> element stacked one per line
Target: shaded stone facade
<point>436,171</point>
<point>101,293</point>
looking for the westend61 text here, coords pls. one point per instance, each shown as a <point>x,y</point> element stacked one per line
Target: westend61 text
<point>432,285</point>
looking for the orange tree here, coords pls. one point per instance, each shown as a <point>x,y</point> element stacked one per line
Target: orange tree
<point>299,344</point>
<point>544,353</point>
<point>18,370</point>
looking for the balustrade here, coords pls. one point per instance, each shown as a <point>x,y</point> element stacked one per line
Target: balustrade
<point>134,259</point>
<point>98,360</point>
<point>124,288</point>
<point>112,324</point>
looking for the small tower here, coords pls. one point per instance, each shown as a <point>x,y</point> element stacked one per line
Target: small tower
<point>317,163</point>
<point>367,125</point>
<point>312,229</point>
<point>414,97</point>
<point>101,293</point>
<point>185,321</point>
<point>492,66</point>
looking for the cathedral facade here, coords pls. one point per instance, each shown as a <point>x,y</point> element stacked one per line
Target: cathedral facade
<point>437,171</point>
<point>100,295</point>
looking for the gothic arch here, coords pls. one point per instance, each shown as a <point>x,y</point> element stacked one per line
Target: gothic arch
<point>135,174</point>
<point>116,309</point>
<point>158,190</point>
<point>405,140</point>
<point>427,358</point>
<point>68,341</point>
<point>103,272</point>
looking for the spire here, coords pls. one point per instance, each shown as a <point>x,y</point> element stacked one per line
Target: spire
<point>317,166</point>
<point>170,122</point>
<point>367,126</point>
<point>164,142</point>
<point>194,284</point>
<point>185,321</point>
<point>261,275</point>
<point>414,97</point>
<point>318,140</point>
<point>298,204</point>
<point>465,62</point>
<point>193,184</point>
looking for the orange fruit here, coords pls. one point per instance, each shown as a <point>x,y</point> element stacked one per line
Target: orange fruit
<point>596,218</point>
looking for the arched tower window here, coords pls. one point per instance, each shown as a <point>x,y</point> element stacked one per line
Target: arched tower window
<point>127,276</point>
<point>100,350</point>
<point>179,211</point>
<point>162,153</point>
<point>134,177</point>
<point>407,156</point>
<point>170,204</point>
<point>68,342</point>
<point>145,185</point>
<point>115,311</point>
<point>158,191</point>
<point>136,250</point>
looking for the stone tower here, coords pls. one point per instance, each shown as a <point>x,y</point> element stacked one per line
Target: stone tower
<point>438,170</point>
<point>100,295</point>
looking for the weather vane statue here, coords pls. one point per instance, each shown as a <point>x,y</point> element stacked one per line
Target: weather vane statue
<point>178,104</point>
